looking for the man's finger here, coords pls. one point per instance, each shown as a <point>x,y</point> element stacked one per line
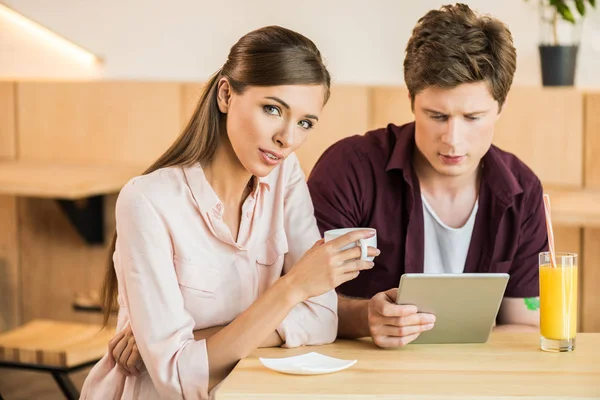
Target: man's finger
<point>391,294</point>
<point>400,331</point>
<point>409,320</point>
<point>391,341</point>
<point>387,309</point>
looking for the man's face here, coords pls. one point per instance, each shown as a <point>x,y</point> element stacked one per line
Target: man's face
<point>455,127</point>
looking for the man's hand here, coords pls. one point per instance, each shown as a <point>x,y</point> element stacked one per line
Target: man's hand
<point>393,325</point>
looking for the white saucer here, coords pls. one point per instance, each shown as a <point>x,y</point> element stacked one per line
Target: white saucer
<point>307,364</point>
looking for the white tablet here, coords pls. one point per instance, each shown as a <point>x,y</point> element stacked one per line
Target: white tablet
<point>465,305</point>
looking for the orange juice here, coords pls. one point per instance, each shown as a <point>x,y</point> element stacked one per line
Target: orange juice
<point>558,301</point>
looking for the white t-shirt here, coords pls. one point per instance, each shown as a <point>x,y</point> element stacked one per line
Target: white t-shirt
<point>446,248</point>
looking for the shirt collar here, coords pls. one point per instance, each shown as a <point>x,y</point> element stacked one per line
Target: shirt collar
<point>205,196</point>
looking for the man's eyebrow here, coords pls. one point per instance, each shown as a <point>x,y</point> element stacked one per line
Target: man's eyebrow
<point>433,111</point>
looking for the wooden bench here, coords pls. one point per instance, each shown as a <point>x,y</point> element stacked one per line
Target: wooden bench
<point>55,347</point>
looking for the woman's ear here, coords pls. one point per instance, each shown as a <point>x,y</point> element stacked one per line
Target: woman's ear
<point>223,95</point>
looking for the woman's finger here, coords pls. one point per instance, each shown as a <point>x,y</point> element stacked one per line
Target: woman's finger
<point>356,265</point>
<point>112,344</point>
<point>126,354</point>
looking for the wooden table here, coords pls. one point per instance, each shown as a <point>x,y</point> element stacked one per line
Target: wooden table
<point>509,366</point>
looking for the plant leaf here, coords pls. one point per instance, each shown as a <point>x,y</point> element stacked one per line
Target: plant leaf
<point>565,12</point>
<point>593,3</point>
<point>580,7</point>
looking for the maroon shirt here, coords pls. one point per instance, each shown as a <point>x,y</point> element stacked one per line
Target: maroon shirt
<point>369,181</point>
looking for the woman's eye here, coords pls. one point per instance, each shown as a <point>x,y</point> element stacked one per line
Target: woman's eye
<point>272,110</point>
<point>305,124</point>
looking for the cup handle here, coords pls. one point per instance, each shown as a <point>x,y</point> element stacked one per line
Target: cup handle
<point>363,249</point>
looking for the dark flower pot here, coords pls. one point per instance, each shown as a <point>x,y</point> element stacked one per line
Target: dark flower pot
<point>558,65</point>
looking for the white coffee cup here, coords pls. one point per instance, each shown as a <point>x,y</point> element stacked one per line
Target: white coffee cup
<point>362,243</point>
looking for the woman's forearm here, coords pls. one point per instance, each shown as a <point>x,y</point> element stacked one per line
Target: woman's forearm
<point>254,326</point>
<point>273,340</point>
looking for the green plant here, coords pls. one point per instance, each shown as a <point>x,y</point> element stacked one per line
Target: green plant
<point>565,9</point>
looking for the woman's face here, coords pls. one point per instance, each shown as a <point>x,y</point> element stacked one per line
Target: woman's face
<point>267,123</point>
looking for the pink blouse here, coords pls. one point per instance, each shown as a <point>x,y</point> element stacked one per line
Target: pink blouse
<point>180,270</point>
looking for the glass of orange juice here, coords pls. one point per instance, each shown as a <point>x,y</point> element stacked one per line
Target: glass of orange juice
<point>558,302</point>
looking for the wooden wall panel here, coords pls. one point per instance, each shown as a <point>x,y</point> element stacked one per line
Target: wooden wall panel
<point>590,280</point>
<point>10,284</point>
<point>389,105</point>
<point>56,263</point>
<point>97,122</point>
<point>190,95</point>
<point>570,239</point>
<point>592,140</point>
<point>544,128</point>
<point>7,121</point>
<point>346,114</point>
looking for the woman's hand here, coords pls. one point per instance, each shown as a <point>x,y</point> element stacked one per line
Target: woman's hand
<point>123,351</point>
<point>324,267</point>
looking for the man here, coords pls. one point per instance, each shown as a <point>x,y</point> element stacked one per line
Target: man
<point>441,197</point>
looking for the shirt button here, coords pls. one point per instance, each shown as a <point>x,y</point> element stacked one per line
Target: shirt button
<point>219,207</point>
<point>248,214</point>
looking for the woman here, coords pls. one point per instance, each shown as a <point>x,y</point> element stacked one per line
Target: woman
<point>212,238</point>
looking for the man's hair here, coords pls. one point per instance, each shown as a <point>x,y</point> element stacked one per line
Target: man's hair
<point>454,45</point>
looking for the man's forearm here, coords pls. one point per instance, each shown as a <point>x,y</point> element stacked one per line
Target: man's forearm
<point>353,318</point>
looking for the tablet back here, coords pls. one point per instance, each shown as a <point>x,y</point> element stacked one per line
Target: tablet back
<point>465,305</point>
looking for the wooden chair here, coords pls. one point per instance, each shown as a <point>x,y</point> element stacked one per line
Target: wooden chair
<point>55,347</point>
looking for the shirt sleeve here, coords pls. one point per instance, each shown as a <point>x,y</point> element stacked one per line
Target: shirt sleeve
<point>163,329</point>
<point>313,321</point>
<point>533,239</point>
<point>337,185</point>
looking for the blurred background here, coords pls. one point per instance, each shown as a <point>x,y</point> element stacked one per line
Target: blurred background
<point>92,92</point>
<point>363,41</point>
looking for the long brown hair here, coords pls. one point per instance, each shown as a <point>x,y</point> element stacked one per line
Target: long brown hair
<point>269,56</point>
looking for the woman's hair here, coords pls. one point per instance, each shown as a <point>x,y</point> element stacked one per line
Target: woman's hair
<point>453,45</point>
<point>270,56</point>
